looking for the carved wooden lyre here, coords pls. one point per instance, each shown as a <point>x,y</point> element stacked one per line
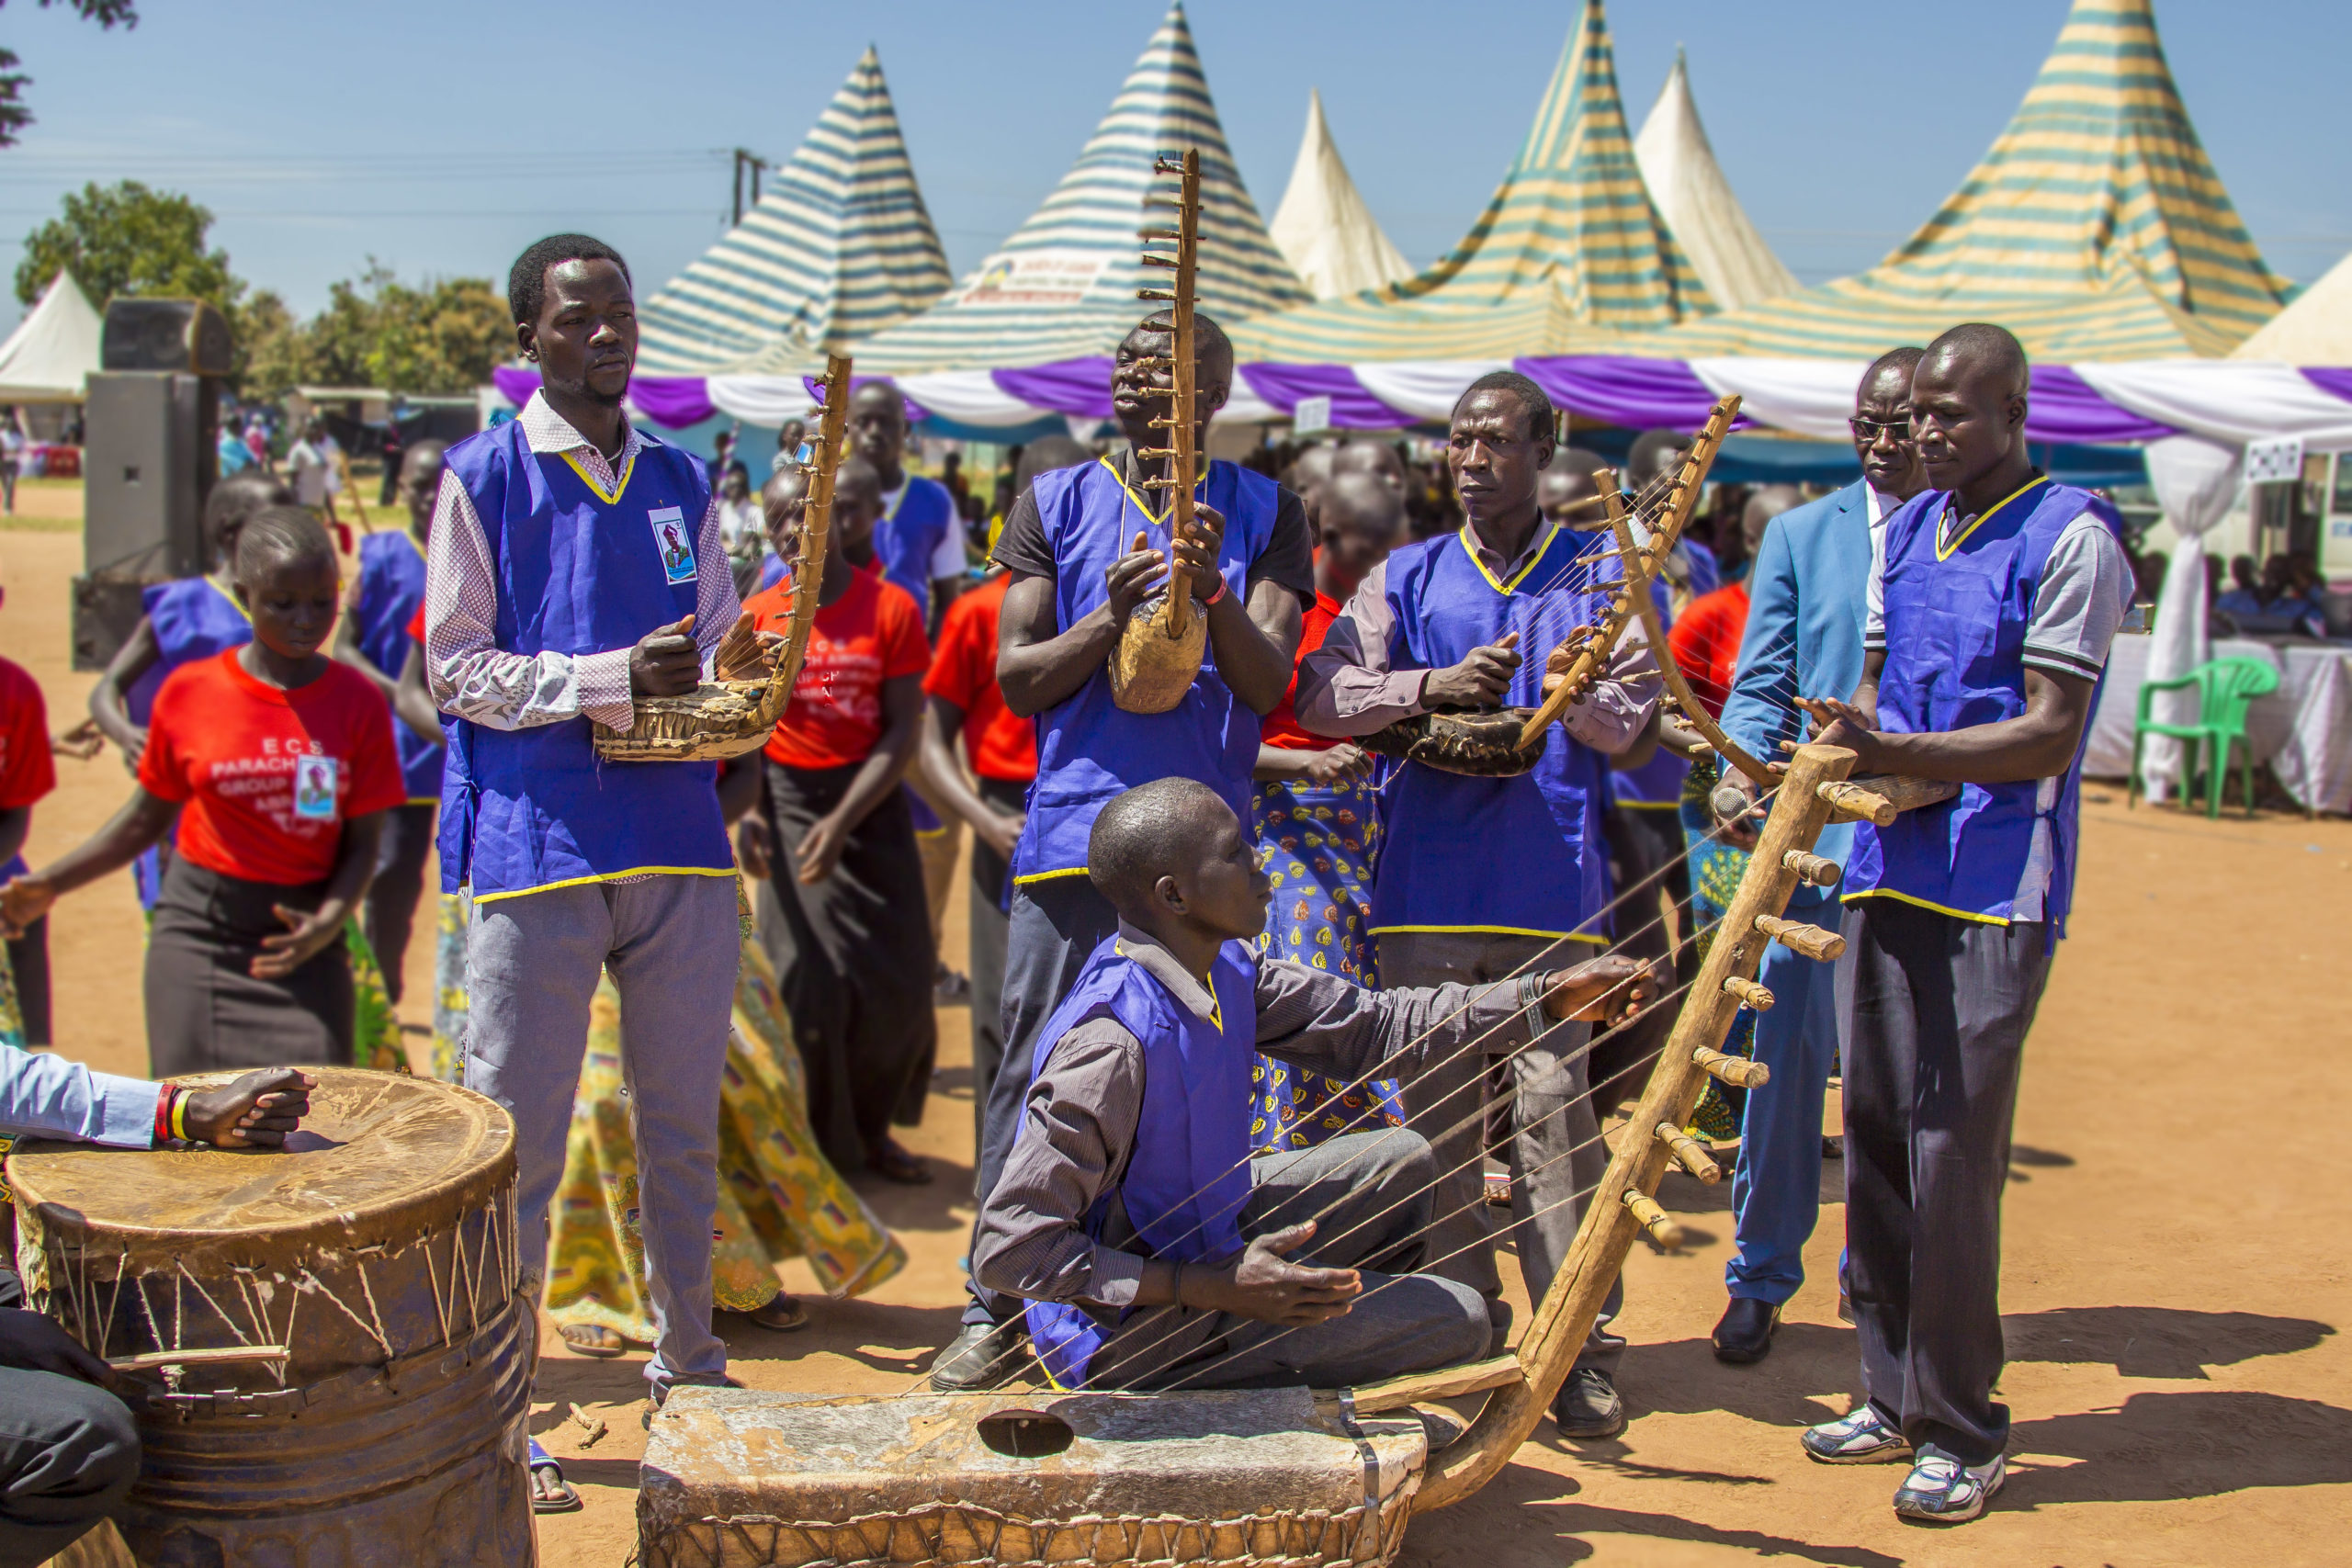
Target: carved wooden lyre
<point>1505,742</point>
<point>1159,654</point>
<point>727,718</point>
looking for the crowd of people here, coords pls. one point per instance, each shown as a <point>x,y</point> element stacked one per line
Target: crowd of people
<point>1255,1005</point>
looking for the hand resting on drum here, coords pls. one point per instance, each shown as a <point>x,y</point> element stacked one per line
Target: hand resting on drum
<point>255,1111</point>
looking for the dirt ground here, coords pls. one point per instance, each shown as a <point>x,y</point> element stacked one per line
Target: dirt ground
<point>2174,1260</point>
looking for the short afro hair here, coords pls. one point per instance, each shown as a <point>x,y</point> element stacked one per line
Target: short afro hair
<point>234,498</point>
<point>1141,836</point>
<point>1542,422</point>
<point>526,284</point>
<point>1209,341</point>
<point>281,535</point>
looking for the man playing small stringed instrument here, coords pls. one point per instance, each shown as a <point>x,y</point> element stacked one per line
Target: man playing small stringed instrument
<point>1478,877</point>
<point>1149,1245</point>
<point>1085,548</point>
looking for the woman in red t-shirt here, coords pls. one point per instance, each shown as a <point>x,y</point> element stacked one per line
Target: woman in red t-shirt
<point>849,928</point>
<point>277,763</point>
<point>26,773</point>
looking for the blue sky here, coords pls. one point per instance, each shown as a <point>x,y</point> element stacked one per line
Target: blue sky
<point>441,137</point>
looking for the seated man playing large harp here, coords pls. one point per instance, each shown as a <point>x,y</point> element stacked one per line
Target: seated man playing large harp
<point>1153,1252</point>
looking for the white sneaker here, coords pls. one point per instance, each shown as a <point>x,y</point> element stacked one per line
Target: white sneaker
<point>1858,1438</point>
<point>1942,1491</point>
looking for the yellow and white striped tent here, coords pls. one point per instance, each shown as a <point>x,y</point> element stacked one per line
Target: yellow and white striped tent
<point>838,247</point>
<point>2094,229</point>
<point>1569,253</point>
<point>1064,285</point>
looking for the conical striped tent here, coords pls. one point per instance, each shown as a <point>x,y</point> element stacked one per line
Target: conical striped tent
<point>2095,228</point>
<point>1064,285</point>
<point>1680,168</point>
<point>839,247</point>
<point>1568,254</point>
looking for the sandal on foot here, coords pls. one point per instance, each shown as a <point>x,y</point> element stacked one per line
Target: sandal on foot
<point>894,1161</point>
<point>780,1316</point>
<point>604,1349</point>
<point>565,1499</point>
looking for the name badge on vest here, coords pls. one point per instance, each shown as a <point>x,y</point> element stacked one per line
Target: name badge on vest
<point>669,538</point>
<point>314,780</point>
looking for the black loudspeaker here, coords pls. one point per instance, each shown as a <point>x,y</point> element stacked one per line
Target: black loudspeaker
<point>186,335</point>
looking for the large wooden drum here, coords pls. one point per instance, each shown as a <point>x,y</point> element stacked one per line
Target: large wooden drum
<point>331,1358</point>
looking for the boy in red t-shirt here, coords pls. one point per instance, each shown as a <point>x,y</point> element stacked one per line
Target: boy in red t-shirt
<point>26,773</point>
<point>277,763</point>
<point>850,925</point>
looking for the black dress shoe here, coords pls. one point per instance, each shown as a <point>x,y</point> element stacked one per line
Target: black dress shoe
<point>1744,1333</point>
<point>981,1357</point>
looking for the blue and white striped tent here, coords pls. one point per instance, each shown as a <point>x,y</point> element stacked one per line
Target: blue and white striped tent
<point>1063,285</point>
<point>839,247</point>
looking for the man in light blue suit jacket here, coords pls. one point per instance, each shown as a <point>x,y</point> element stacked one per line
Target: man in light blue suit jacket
<point>1804,639</point>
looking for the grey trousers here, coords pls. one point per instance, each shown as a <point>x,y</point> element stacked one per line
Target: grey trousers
<point>672,946</point>
<point>1934,1012</point>
<point>1055,926</point>
<point>68,1453</point>
<point>1368,1194</point>
<point>991,923</point>
<point>1555,1152</point>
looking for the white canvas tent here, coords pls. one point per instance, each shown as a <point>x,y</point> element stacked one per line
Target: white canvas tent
<point>1679,165</point>
<point>1323,227</point>
<point>2315,330</point>
<point>53,349</point>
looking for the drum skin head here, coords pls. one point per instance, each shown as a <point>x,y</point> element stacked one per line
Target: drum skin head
<point>379,1157</point>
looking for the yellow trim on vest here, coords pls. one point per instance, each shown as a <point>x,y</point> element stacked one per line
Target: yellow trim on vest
<point>1650,805</point>
<point>422,800</point>
<point>608,876</point>
<point>628,467</point>
<point>1048,875</point>
<point>1216,1016</point>
<point>1492,931</point>
<point>230,594</point>
<point>1944,551</point>
<point>1922,903</point>
<point>1138,501</point>
<point>1470,547</point>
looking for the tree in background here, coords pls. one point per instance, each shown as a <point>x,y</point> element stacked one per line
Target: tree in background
<point>128,239</point>
<point>14,114</point>
<point>444,336</point>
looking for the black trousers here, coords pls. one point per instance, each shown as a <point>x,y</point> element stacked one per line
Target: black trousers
<point>28,962</point>
<point>989,923</point>
<point>400,881</point>
<point>1056,924</point>
<point>1642,841</point>
<point>68,1455</point>
<point>1934,1012</point>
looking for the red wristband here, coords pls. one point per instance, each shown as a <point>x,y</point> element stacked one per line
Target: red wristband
<point>1215,596</point>
<point>166,1095</point>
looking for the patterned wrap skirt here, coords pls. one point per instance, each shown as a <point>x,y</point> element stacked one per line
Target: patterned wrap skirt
<point>778,1196</point>
<point>1319,845</point>
<point>1715,870</point>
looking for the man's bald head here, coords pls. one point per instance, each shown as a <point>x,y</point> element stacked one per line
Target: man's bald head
<point>1375,459</point>
<point>1762,507</point>
<point>1153,831</point>
<point>1653,452</point>
<point>1968,411</point>
<point>1567,493</point>
<point>1889,373</point>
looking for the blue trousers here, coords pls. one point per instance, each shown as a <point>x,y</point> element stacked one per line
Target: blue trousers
<point>1776,1192</point>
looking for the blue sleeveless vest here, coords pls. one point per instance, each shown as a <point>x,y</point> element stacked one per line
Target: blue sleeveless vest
<point>578,573</point>
<point>1188,1175</point>
<point>1089,750</point>
<point>192,619</point>
<point>907,535</point>
<point>391,585</point>
<point>1656,784</point>
<point>1520,856</point>
<point>1955,657</point>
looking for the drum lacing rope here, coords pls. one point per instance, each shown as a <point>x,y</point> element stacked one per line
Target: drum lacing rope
<point>433,1275</point>
<point>376,1333</point>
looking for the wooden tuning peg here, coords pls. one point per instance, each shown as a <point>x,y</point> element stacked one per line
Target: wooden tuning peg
<point>1821,946</point>
<point>1736,1071</point>
<point>1155,294</point>
<point>1852,803</point>
<point>1689,1153</point>
<point>1813,869</point>
<point>1654,1219</point>
<point>1153,258</point>
<point>1750,993</point>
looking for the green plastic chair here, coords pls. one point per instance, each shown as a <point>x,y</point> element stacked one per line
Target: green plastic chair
<point>2226,689</point>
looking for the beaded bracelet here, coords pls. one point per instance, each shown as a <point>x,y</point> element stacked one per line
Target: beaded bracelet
<point>179,1116</point>
<point>167,1096</point>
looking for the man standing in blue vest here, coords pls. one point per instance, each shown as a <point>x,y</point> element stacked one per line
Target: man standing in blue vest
<point>1481,878</point>
<point>1085,546</point>
<point>1804,639</point>
<point>1994,598</point>
<point>575,565</point>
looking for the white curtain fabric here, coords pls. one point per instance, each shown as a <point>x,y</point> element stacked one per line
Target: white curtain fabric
<point>2226,400</point>
<point>1424,388</point>
<point>2196,480</point>
<point>1812,396</point>
<point>1244,406</point>
<point>968,397</point>
<point>761,399</point>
